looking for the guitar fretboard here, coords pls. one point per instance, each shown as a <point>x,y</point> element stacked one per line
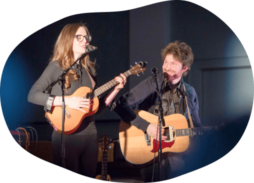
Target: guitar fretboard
<point>193,131</point>
<point>108,85</point>
<point>104,165</point>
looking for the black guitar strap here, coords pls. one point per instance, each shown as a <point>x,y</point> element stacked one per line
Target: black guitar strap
<point>190,119</point>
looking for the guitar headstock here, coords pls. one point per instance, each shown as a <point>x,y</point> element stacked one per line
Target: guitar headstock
<point>105,141</point>
<point>138,68</point>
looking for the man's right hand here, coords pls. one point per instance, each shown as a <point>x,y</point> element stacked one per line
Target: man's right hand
<point>152,131</point>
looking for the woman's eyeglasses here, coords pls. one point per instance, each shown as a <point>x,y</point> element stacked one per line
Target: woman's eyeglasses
<point>80,38</point>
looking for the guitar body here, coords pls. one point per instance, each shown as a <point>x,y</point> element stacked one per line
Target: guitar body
<point>134,146</point>
<point>101,178</point>
<point>75,117</point>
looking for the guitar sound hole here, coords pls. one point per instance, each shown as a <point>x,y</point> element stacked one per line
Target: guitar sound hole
<point>169,131</point>
<point>90,95</point>
<point>166,133</point>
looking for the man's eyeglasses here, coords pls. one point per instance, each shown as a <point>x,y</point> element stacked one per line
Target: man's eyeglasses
<point>80,38</point>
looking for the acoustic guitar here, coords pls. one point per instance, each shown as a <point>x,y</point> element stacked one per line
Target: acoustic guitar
<point>73,117</point>
<point>104,141</point>
<point>139,148</point>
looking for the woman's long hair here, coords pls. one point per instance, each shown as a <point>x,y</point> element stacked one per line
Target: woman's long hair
<point>63,53</point>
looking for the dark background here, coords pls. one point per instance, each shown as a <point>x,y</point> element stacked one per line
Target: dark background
<point>221,73</point>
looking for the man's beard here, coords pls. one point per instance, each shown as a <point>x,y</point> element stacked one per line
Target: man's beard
<point>170,75</point>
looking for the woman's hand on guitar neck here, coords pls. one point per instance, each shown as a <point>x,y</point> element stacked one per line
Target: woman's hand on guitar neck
<point>74,102</point>
<point>152,130</point>
<point>121,80</point>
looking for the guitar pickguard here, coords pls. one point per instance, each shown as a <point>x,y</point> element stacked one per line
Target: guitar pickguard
<point>163,145</point>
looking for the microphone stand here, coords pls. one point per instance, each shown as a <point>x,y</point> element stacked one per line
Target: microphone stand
<point>61,81</point>
<point>161,120</point>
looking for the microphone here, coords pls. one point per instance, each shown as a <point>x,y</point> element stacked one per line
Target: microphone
<point>89,38</point>
<point>154,70</point>
<point>90,48</point>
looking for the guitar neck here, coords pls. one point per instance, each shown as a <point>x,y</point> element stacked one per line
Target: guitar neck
<point>108,85</point>
<point>104,165</point>
<point>194,131</point>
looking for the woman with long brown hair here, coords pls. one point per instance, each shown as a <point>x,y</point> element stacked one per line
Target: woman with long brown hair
<point>81,147</point>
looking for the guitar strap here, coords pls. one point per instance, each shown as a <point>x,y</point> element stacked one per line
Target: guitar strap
<point>190,119</point>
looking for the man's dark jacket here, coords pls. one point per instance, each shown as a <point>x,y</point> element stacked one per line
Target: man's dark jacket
<point>144,97</point>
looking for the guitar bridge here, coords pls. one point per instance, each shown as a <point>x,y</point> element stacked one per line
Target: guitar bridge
<point>67,113</point>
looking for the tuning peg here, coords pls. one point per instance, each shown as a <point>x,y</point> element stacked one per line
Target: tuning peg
<point>143,72</point>
<point>136,63</point>
<point>137,75</point>
<point>130,65</point>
